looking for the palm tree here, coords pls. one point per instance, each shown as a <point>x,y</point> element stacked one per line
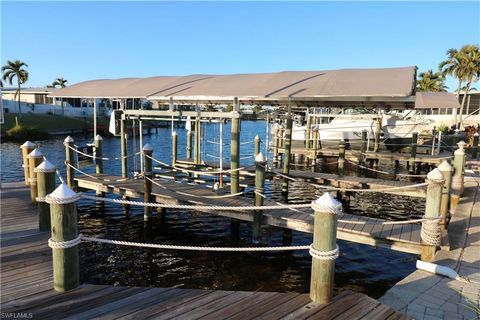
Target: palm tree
<point>59,82</point>
<point>430,81</point>
<point>16,69</point>
<point>470,59</point>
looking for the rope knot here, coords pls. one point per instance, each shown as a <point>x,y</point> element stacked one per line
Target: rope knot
<point>324,255</point>
<point>430,232</point>
<point>65,244</point>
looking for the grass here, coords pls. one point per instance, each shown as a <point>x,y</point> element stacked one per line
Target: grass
<point>43,122</point>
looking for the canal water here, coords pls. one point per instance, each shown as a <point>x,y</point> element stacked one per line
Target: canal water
<point>360,268</point>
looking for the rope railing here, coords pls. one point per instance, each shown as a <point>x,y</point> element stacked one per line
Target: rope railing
<point>92,176</point>
<point>74,148</point>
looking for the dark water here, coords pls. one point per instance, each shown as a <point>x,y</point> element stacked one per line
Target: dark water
<point>359,268</point>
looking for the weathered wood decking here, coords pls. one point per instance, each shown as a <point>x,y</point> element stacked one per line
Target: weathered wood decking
<point>26,286</point>
<point>405,238</point>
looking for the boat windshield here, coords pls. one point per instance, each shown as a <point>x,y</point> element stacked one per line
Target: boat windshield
<point>351,111</point>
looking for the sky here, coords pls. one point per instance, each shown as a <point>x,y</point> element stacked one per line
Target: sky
<point>97,40</point>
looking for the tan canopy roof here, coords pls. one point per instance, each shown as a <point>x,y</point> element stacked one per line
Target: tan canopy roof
<point>392,84</point>
<point>441,100</point>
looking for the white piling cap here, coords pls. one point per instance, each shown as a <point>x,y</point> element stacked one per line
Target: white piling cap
<point>445,166</point>
<point>461,144</point>
<point>147,147</point>
<point>328,204</point>
<point>257,137</point>
<point>68,139</point>
<point>62,195</point>
<point>436,176</point>
<point>174,133</point>
<point>475,134</point>
<point>98,137</point>
<point>457,131</point>
<point>259,157</point>
<point>28,144</point>
<point>35,154</point>
<point>45,166</point>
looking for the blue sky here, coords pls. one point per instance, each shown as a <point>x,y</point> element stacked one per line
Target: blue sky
<point>89,40</point>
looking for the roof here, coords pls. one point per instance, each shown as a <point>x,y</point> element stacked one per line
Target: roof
<point>30,90</point>
<point>427,100</point>
<point>345,84</point>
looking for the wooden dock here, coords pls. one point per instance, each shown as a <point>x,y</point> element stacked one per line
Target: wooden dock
<point>405,238</point>
<point>27,281</point>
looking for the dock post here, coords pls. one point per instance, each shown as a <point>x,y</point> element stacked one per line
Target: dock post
<point>189,144</point>
<point>147,177</point>
<point>378,129</point>
<point>34,159</point>
<point>63,215</point>
<point>27,147</point>
<point>235,149</point>
<point>123,147</point>
<point>281,141</point>
<point>475,146</point>
<point>324,249</point>
<point>458,174</point>
<point>275,145</point>
<point>456,138</point>
<point>307,132</point>
<point>341,157</point>
<point>259,194</point>
<point>45,185</point>
<point>256,149</point>
<point>174,147</point>
<point>287,154</point>
<point>430,232</point>
<point>315,147</point>
<point>363,148</point>
<point>413,152</point>
<point>69,160</point>
<point>98,154</point>
<point>446,169</point>
<point>196,150</point>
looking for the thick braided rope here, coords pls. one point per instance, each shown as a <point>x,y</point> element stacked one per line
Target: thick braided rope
<point>157,161</point>
<point>324,255</point>
<point>260,193</point>
<point>430,232</point>
<point>247,142</point>
<point>382,222</point>
<point>207,172</point>
<point>370,169</point>
<point>65,244</point>
<point>59,176</point>
<point>98,158</point>
<point>92,176</point>
<point>194,207</point>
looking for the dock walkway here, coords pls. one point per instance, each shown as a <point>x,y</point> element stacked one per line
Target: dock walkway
<point>27,281</point>
<point>401,237</point>
<point>423,295</point>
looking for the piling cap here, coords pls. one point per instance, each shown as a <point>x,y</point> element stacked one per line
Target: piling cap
<point>259,157</point>
<point>147,147</point>
<point>445,166</point>
<point>475,134</point>
<point>28,144</point>
<point>68,140</point>
<point>257,137</point>
<point>98,137</point>
<point>45,166</point>
<point>327,204</point>
<point>62,195</point>
<point>174,133</point>
<point>457,131</point>
<point>435,176</point>
<point>35,154</point>
<point>461,144</point>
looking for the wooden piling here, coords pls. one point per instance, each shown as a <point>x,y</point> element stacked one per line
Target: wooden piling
<point>287,154</point>
<point>256,146</point>
<point>378,130</point>
<point>45,185</point>
<point>413,152</point>
<point>435,181</point>
<point>446,169</point>
<point>325,210</point>
<point>458,175</point>
<point>174,147</point>
<point>27,147</point>
<point>307,132</point>
<point>363,149</point>
<point>275,145</point>
<point>63,215</point>
<point>98,154</point>
<point>69,160</point>
<point>341,157</point>
<point>189,144</point>
<point>147,177</point>
<point>475,146</point>
<point>259,194</point>
<point>235,149</point>
<point>196,150</point>
<point>315,147</point>
<point>34,159</point>
<point>123,147</point>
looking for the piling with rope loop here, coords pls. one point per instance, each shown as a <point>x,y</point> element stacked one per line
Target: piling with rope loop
<point>69,159</point>
<point>63,215</point>
<point>27,147</point>
<point>147,180</point>
<point>458,174</point>
<point>324,249</point>
<point>98,142</point>
<point>446,169</point>
<point>430,232</point>
<point>259,196</point>
<point>34,159</point>
<point>45,172</point>
<point>174,147</point>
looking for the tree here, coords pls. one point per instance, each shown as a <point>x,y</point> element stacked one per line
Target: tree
<point>16,69</point>
<point>59,82</point>
<point>430,81</point>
